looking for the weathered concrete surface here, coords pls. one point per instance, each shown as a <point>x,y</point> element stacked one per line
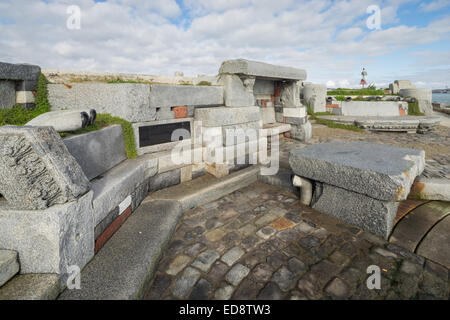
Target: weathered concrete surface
<point>50,240</point>
<point>263,87</point>
<point>261,69</point>
<point>62,121</point>
<point>7,94</point>
<point>222,116</point>
<point>206,188</point>
<point>365,212</point>
<point>302,132</point>
<point>400,84</point>
<point>31,287</point>
<point>370,108</point>
<point>423,95</point>
<point>9,71</point>
<point>9,265</point>
<point>36,169</point>
<point>379,171</point>
<point>431,189</point>
<point>171,95</point>
<point>97,152</point>
<point>123,268</point>
<point>236,94</point>
<point>130,101</point>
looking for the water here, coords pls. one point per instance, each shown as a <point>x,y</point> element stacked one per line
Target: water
<point>441,97</point>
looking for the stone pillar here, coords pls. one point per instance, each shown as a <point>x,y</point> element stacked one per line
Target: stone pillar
<point>423,96</point>
<point>314,96</point>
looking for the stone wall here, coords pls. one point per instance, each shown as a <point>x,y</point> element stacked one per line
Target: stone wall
<point>18,84</point>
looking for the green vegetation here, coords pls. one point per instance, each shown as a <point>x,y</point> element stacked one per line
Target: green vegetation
<point>120,80</point>
<point>204,83</point>
<point>19,115</point>
<point>356,92</point>
<point>105,120</point>
<point>331,124</point>
<point>413,109</point>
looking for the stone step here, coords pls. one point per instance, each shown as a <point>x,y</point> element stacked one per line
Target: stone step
<point>31,287</point>
<point>206,188</point>
<point>122,269</point>
<point>9,265</point>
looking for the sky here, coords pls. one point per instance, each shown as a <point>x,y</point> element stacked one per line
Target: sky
<point>331,40</point>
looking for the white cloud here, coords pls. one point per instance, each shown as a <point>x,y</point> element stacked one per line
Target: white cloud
<point>434,5</point>
<point>329,39</point>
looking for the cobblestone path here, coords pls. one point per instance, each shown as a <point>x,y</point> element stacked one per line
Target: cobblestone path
<point>261,243</point>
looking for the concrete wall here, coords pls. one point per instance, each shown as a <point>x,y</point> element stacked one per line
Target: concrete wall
<point>134,102</point>
<point>370,108</point>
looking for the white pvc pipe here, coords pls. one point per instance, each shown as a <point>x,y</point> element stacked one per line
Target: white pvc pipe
<point>305,189</point>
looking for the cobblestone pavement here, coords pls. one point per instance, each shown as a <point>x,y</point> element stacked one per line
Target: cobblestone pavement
<point>436,145</point>
<point>261,243</point>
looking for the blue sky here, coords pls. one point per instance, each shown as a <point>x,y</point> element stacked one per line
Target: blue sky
<point>330,39</point>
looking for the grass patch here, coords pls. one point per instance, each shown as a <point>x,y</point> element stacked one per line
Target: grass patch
<point>204,83</point>
<point>413,109</point>
<point>331,124</point>
<point>356,92</point>
<point>19,115</point>
<point>105,120</point>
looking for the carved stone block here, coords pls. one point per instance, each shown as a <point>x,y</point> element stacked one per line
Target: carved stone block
<point>36,169</point>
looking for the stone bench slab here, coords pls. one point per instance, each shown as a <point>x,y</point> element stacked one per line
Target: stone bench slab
<point>379,171</point>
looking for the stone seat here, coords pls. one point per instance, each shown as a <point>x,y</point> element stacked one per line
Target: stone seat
<point>359,182</point>
<point>118,183</point>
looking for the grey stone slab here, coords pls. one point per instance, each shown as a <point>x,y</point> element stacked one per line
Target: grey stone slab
<point>116,184</point>
<point>98,151</point>
<point>26,85</point>
<point>369,214</point>
<point>9,71</point>
<point>207,188</point>
<point>222,116</point>
<point>379,171</point>
<point>290,94</point>
<point>175,95</point>
<point>50,240</point>
<point>165,180</point>
<point>31,287</point>
<point>237,93</point>
<point>9,265</point>
<point>301,132</point>
<point>123,268</point>
<point>261,69</point>
<point>7,94</point>
<point>296,121</point>
<point>129,101</point>
<point>36,169</point>
<point>264,87</point>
